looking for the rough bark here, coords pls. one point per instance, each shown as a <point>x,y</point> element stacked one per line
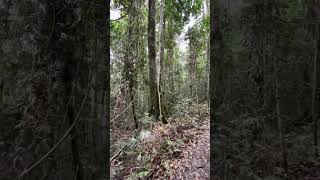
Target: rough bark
<point>314,104</point>
<point>128,69</point>
<point>106,136</point>
<point>215,58</point>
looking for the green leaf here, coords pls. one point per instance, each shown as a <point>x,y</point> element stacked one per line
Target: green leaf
<point>143,173</point>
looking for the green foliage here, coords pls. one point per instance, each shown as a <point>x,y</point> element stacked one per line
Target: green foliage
<point>139,174</point>
<point>143,173</point>
<point>117,28</point>
<point>174,74</point>
<point>181,10</point>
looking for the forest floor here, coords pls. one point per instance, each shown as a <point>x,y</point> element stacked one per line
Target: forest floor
<point>196,154</point>
<point>178,150</point>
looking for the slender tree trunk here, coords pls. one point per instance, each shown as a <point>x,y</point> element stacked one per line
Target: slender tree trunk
<point>171,74</point>
<point>161,58</point>
<point>197,79</point>
<point>191,68</point>
<point>208,11</point>
<point>154,102</point>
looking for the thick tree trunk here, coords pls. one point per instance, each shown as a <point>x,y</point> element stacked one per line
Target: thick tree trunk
<point>215,57</point>
<point>128,69</point>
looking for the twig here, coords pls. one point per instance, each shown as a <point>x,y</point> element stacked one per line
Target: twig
<point>121,17</point>
<point>58,143</point>
<point>121,112</point>
<point>117,153</point>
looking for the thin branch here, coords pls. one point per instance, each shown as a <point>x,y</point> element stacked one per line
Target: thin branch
<point>121,17</point>
<point>122,112</point>
<point>117,153</point>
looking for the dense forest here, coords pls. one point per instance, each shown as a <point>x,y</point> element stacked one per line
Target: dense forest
<point>264,66</point>
<point>54,91</point>
<point>159,94</point>
<point>159,89</point>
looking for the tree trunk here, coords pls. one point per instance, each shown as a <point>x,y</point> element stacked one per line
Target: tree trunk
<point>161,58</point>
<point>215,57</point>
<point>104,154</point>
<point>129,63</point>
<point>314,112</point>
<point>170,62</point>
<point>154,102</point>
<point>170,73</point>
<point>208,68</point>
